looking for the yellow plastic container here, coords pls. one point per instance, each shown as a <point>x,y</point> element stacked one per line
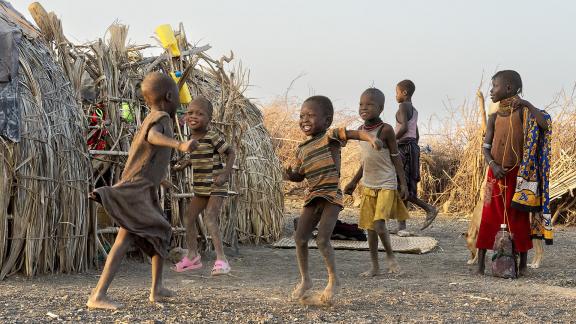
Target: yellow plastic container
<point>185,96</point>
<point>166,35</point>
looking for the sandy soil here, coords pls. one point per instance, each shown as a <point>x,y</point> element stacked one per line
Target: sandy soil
<point>436,287</point>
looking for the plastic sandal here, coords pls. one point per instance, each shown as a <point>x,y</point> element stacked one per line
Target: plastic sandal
<point>186,264</point>
<point>220,268</point>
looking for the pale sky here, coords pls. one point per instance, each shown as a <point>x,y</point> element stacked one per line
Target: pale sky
<point>343,47</point>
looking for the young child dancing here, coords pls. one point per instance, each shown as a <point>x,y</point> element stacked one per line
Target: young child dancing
<point>133,202</point>
<point>511,193</point>
<point>319,163</point>
<point>379,172</point>
<point>209,179</point>
<point>408,136</point>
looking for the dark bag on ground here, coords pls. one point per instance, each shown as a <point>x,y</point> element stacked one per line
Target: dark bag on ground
<point>342,231</point>
<point>504,258</point>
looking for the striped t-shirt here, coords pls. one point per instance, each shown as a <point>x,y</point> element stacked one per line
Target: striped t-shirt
<point>206,164</point>
<point>319,162</point>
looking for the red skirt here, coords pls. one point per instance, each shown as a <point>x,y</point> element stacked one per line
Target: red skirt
<point>497,199</point>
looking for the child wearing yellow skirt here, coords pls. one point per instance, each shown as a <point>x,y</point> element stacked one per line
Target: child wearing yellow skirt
<point>379,172</point>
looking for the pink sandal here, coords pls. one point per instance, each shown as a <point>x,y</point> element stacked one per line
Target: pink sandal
<point>186,264</point>
<point>220,268</point>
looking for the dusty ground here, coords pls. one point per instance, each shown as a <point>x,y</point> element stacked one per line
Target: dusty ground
<point>434,287</point>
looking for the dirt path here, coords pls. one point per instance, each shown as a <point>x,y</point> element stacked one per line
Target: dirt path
<point>437,286</point>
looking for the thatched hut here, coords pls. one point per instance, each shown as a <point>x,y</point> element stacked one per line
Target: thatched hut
<point>45,171</point>
<point>106,74</point>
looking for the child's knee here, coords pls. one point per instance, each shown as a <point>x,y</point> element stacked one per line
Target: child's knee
<point>380,227</point>
<point>323,243</point>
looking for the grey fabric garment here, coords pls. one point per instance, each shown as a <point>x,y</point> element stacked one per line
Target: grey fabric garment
<point>9,106</point>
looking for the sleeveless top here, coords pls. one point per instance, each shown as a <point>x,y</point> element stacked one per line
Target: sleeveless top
<point>508,141</point>
<point>378,170</point>
<point>412,127</point>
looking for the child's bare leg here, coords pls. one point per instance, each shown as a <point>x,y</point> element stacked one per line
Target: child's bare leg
<point>523,268</point>
<point>481,261</point>
<point>211,219</point>
<point>306,224</point>
<point>158,291</point>
<point>325,229</point>
<point>373,245</point>
<point>197,205</point>
<point>98,298</point>
<point>380,228</point>
<point>431,211</point>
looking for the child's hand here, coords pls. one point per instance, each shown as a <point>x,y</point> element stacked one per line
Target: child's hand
<point>188,146</point>
<point>377,143</point>
<point>221,179</point>
<point>497,170</point>
<point>180,165</point>
<point>403,191</point>
<point>350,187</point>
<point>290,175</point>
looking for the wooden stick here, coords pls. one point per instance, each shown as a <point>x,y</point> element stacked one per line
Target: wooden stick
<point>102,152</point>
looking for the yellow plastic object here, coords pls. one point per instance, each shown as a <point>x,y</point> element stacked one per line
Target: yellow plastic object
<point>166,35</point>
<point>185,96</point>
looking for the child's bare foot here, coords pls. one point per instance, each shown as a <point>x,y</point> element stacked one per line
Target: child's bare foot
<point>301,289</point>
<point>102,302</point>
<point>393,266</point>
<point>322,299</point>
<point>522,272</point>
<point>160,294</point>
<point>373,272</point>
<point>430,217</point>
<point>480,271</point>
<point>329,292</point>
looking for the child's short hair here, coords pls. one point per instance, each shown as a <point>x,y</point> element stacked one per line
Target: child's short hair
<point>324,103</point>
<point>408,86</point>
<point>377,95</point>
<point>203,103</point>
<point>512,77</point>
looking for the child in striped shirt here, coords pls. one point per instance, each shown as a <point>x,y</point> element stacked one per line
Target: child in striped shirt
<point>319,163</point>
<point>209,179</point>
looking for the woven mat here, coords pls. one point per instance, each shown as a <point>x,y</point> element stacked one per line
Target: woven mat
<point>411,244</point>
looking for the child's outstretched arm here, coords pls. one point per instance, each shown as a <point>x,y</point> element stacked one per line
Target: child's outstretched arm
<point>230,158</point>
<point>389,138</point>
<point>156,137</point>
<point>361,135</point>
<point>351,186</point>
<point>497,169</point>
<point>537,113</point>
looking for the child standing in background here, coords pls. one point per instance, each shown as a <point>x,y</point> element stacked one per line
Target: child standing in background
<point>514,185</point>
<point>209,179</point>
<point>408,136</point>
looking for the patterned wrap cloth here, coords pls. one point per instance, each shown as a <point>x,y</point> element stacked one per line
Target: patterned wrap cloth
<point>532,194</point>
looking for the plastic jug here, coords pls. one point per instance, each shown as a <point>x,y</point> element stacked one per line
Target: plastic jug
<point>166,36</point>
<point>185,96</point>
